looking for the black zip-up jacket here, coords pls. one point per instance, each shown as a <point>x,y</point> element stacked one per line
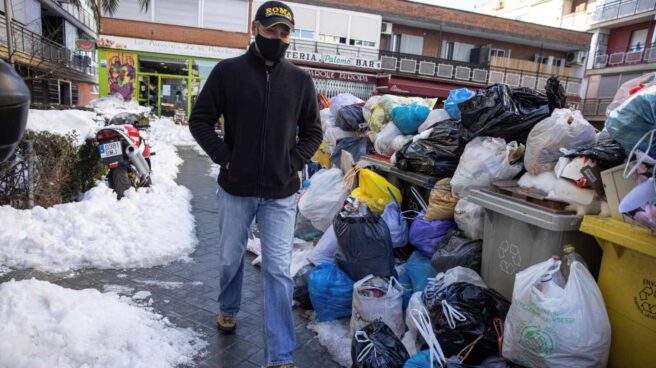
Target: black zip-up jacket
<point>264,109</point>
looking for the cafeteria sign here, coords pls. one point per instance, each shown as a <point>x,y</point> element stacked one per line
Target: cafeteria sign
<point>333,59</point>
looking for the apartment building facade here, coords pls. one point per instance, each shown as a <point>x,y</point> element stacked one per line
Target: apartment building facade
<point>623,47</point>
<point>52,48</point>
<point>568,14</point>
<point>374,47</point>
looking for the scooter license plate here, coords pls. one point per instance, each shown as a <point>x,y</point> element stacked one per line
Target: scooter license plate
<point>111,149</point>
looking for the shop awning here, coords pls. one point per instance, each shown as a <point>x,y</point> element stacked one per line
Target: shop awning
<point>417,87</point>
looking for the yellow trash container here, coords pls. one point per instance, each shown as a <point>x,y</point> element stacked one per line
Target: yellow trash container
<point>627,279</point>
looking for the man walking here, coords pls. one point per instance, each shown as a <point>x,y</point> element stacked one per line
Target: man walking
<point>272,128</point>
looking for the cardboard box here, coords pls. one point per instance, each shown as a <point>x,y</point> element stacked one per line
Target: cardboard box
<point>616,188</point>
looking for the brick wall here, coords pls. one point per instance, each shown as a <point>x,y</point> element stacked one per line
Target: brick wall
<point>433,43</point>
<point>173,33</point>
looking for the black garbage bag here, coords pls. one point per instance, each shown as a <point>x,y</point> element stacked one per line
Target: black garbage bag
<point>556,94</point>
<point>606,152</point>
<point>301,291</point>
<point>350,117</point>
<point>376,346</point>
<point>490,362</point>
<point>364,246</point>
<point>357,147</point>
<point>437,155</point>
<point>455,249</point>
<point>482,309</point>
<point>499,111</point>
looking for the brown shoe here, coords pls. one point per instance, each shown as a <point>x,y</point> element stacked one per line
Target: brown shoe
<point>226,324</point>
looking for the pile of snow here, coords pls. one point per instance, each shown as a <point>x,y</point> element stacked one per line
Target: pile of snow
<point>214,170</point>
<point>45,325</point>
<point>148,227</point>
<point>62,122</point>
<point>168,284</point>
<point>334,335</point>
<point>110,106</point>
<point>167,131</point>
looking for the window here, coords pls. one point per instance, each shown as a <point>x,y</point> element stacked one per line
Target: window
<point>638,39</point>
<point>130,9</point>
<point>214,15</point>
<point>579,6</point>
<point>179,12</point>
<point>608,86</point>
<point>332,39</point>
<point>412,44</point>
<point>362,43</point>
<point>498,53</point>
<point>447,50</point>
<point>301,33</point>
<point>558,62</point>
<point>542,59</point>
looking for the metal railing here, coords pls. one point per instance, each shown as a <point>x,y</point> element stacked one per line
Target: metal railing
<point>629,56</point>
<point>81,14</point>
<point>38,49</point>
<point>467,72</point>
<point>332,48</point>
<point>595,106</point>
<point>620,9</point>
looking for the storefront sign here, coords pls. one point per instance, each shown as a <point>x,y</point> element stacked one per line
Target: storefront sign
<point>331,74</point>
<point>333,59</point>
<point>166,47</point>
<point>83,44</point>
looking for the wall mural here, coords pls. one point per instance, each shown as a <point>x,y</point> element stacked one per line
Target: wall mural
<point>121,74</point>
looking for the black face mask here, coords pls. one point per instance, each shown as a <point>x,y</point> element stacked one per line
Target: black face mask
<point>271,49</point>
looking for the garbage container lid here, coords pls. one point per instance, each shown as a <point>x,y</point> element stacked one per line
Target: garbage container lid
<point>13,90</point>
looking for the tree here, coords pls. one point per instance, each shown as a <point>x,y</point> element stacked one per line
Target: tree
<point>108,6</point>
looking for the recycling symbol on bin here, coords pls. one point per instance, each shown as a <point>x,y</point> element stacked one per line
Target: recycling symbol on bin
<point>646,301</point>
<point>510,258</point>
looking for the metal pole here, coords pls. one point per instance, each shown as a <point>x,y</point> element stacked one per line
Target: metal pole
<point>8,20</point>
<point>30,174</point>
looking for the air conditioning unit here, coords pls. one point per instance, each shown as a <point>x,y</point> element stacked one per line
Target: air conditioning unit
<point>386,28</point>
<point>575,58</point>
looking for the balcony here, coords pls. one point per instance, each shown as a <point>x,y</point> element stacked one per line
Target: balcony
<point>426,66</point>
<point>80,17</point>
<point>507,71</point>
<point>595,108</point>
<point>327,48</point>
<point>621,8</point>
<point>576,21</point>
<point>36,51</point>
<point>624,57</point>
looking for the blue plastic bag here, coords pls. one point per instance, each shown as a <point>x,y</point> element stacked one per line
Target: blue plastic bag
<point>457,96</point>
<point>631,120</point>
<point>408,118</point>
<point>426,235</point>
<point>420,360</point>
<point>397,224</point>
<point>419,269</point>
<point>331,292</point>
<point>406,283</point>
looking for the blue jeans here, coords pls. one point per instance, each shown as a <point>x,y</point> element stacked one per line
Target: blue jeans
<point>276,218</point>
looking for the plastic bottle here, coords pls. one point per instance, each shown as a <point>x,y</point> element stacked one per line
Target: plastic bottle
<point>569,256</point>
<point>549,287</point>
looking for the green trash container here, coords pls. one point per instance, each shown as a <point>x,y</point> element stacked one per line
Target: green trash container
<point>518,235</point>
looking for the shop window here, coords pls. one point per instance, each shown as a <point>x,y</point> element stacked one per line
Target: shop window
<point>202,68</point>
<point>168,66</point>
<point>303,34</point>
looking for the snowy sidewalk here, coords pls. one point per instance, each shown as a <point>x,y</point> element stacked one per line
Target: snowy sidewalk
<point>186,292</point>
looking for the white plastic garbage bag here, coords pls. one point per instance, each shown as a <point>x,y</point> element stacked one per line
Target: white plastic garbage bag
<point>470,219</point>
<point>324,198</point>
<point>484,161</point>
<point>327,119</point>
<point>384,139</point>
<point>376,299</point>
<point>568,328</point>
<point>324,251</point>
<point>369,107</point>
<point>563,129</point>
<point>341,100</point>
<point>399,141</point>
<point>434,117</point>
<point>411,339</point>
<point>333,134</point>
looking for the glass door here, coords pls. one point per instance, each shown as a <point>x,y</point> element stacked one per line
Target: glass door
<point>174,94</point>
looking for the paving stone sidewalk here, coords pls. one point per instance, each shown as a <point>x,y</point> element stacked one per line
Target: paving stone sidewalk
<point>194,304</point>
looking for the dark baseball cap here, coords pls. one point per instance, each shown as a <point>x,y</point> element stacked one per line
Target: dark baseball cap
<point>275,12</point>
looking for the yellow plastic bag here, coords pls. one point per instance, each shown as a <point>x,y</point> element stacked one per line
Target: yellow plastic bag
<point>375,191</point>
<point>322,156</point>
